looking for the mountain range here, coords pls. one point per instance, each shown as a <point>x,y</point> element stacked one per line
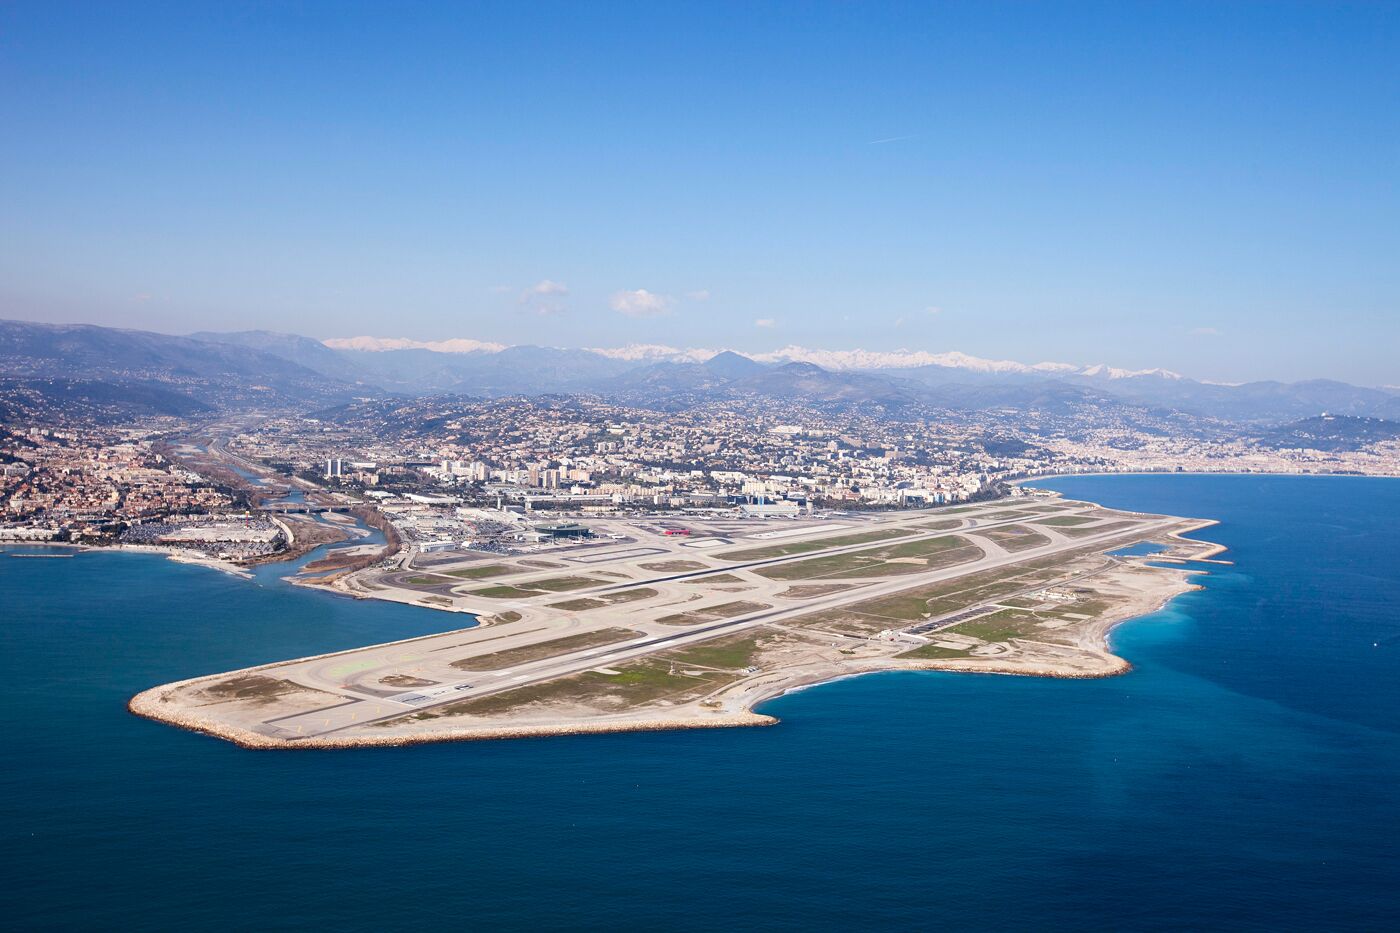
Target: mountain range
<point>258,369</point>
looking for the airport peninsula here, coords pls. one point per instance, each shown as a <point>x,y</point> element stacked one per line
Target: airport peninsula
<point>661,626</point>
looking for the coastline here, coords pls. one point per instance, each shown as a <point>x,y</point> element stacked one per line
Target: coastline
<point>1092,655</point>
<point>1313,473</point>
<point>291,704</point>
<point>179,557</point>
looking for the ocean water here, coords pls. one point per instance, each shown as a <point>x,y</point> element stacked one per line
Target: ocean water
<point>1243,776</point>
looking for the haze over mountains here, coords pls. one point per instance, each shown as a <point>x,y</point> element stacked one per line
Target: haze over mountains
<point>160,373</point>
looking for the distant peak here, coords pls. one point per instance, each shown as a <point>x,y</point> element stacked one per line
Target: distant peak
<point>1112,372</point>
<point>381,344</point>
<point>837,360</point>
<point>653,352</point>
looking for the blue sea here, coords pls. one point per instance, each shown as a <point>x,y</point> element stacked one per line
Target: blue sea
<point>1244,776</point>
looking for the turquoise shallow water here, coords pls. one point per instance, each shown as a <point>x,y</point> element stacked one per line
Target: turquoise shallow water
<point>1244,776</point>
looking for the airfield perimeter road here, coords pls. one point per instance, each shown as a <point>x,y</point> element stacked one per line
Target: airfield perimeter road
<point>328,674</point>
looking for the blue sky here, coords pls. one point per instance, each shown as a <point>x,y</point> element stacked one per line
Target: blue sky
<point>1206,187</point>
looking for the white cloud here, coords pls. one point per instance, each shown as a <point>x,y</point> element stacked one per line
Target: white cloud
<point>380,344</point>
<point>543,297</point>
<point>765,322</point>
<point>1204,332</point>
<point>702,294</point>
<point>640,303</point>
<point>546,287</point>
<point>931,310</point>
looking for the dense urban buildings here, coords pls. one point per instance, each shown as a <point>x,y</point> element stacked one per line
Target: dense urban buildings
<point>454,469</point>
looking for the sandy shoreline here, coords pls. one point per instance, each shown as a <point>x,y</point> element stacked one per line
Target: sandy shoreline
<point>181,557</point>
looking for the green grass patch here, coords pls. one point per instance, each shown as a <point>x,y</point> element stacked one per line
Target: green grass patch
<point>561,584</point>
<point>480,573</point>
<point>901,609</point>
<point>510,657</point>
<point>1000,626</point>
<point>638,683</point>
<point>820,544</point>
<point>583,604</point>
<point>890,560</point>
<point>1015,537</point>
<point>429,580</point>
<point>934,652</point>
<point>733,652</point>
<point>505,592</point>
<point>1098,529</point>
<point>674,566</point>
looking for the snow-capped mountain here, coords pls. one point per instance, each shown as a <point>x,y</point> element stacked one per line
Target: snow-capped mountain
<point>654,375</point>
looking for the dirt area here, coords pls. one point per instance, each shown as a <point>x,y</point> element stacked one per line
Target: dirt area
<point>251,691</point>
<point>813,590</point>
<point>674,566</point>
<point>716,578</point>
<point>309,534</point>
<point>250,687</point>
<point>404,680</point>
<point>711,613</point>
<point>585,603</point>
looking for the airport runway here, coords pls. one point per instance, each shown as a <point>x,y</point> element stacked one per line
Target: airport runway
<point>327,674</point>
